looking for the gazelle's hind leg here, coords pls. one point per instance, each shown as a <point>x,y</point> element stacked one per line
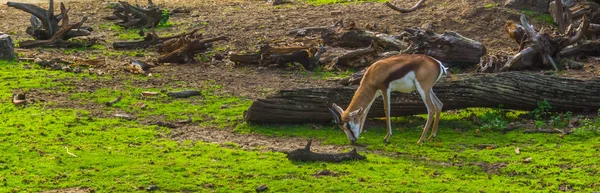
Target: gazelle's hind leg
<point>386,107</point>
<point>425,95</point>
<point>438,112</point>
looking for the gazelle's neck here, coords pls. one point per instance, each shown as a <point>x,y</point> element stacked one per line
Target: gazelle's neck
<point>362,98</point>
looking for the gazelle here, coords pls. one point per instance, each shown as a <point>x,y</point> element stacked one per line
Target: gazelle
<point>403,73</point>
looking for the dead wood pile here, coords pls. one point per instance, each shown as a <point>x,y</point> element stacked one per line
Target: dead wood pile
<point>344,45</point>
<point>576,38</point>
<point>137,16</point>
<point>45,29</point>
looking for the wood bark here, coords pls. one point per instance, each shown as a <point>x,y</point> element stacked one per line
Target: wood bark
<point>512,90</point>
<point>44,24</point>
<point>58,38</point>
<point>307,56</point>
<point>136,16</point>
<point>351,38</point>
<point>306,155</point>
<point>183,49</point>
<point>543,47</point>
<point>586,49</point>
<point>405,10</point>
<point>449,47</point>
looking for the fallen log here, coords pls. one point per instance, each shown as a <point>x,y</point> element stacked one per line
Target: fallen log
<point>449,47</point>
<point>351,58</point>
<point>306,155</point>
<point>512,90</point>
<point>586,49</point>
<point>348,36</point>
<point>307,56</point>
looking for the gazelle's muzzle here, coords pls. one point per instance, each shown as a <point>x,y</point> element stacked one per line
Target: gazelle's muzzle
<point>351,137</point>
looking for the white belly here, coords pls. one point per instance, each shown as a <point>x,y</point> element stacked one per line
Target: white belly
<point>406,84</point>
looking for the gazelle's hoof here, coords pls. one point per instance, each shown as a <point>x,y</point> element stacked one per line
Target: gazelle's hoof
<point>430,137</point>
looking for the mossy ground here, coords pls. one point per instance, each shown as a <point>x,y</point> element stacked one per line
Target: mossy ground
<point>115,155</point>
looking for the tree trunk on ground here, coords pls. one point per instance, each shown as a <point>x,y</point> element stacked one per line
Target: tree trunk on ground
<point>308,57</point>
<point>449,47</point>
<point>586,49</point>
<point>513,90</point>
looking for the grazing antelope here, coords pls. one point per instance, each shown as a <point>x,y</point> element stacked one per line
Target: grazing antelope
<point>403,73</point>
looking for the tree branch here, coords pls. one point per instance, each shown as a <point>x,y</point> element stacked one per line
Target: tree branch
<point>403,10</point>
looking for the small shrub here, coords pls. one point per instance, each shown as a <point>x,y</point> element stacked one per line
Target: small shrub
<point>542,111</point>
<point>494,119</point>
<point>164,17</point>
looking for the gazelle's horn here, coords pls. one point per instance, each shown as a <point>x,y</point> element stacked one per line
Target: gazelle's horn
<point>335,115</point>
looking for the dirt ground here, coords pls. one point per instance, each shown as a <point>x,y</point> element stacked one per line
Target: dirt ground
<point>249,22</point>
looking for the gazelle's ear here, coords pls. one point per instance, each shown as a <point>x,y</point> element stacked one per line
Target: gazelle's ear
<point>336,116</point>
<point>338,108</point>
<point>355,113</point>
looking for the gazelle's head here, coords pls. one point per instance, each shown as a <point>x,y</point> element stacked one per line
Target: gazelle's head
<point>348,122</point>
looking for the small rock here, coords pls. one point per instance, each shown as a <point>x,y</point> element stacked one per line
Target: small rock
<point>527,160</point>
<point>210,186</point>
<point>261,188</point>
<point>126,116</point>
<point>517,151</point>
<point>66,68</point>
<point>7,47</point>
<point>152,188</point>
<point>37,61</point>
<point>56,67</point>
<point>428,27</point>
<point>77,70</point>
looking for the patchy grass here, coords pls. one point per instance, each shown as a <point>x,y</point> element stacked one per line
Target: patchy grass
<point>209,109</point>
<point>114,155</point>
<point>123,33</point>
<point>557,161</point>
<point>326,2</point>
<point>539,17</point>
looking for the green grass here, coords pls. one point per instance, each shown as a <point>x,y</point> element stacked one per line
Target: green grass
<point>123,33</point>
<point>539,17</point>
<point>326,2</point>
<point>491,5</point>
<point>210,109</point>
<point>114,155</point>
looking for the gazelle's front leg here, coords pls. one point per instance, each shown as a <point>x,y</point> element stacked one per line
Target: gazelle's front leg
<point>430,111</point>
<point>386,107</point>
